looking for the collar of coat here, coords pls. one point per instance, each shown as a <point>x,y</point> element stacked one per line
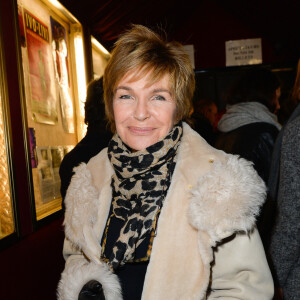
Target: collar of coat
<point>224,193</point>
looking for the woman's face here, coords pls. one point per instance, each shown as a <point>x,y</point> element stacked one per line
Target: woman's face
<point>211,114</point>
<point>144,113</point>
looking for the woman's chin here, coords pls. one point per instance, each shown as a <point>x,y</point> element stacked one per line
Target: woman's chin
<point>136,148</point>
<point>140,144</point>
<point>137,142</point>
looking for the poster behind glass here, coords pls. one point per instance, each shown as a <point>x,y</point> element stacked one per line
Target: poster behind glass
<point>45,47</point>
<point>43,100</point>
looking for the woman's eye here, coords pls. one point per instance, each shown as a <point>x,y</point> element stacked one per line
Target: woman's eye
<point>125,97</point>
<point>159,97</point>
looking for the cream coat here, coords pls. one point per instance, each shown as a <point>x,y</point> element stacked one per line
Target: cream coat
<point>206,245</point>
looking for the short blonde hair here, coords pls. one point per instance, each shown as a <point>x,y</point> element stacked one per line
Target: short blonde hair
<point>143,50</point>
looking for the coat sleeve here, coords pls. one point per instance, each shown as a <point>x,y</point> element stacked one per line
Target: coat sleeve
<point>240,269</point>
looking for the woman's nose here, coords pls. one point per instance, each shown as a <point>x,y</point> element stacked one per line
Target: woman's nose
<point>141,111</point>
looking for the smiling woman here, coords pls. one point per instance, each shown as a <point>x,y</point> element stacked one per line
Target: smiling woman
<point>160,214</point>
<point>144,113</point>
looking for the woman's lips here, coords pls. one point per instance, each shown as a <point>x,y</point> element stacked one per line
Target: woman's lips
<point>141,130</point>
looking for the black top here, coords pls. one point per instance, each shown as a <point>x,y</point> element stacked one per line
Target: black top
<point>132,276</point>
<point>204,128</point>
<point>89,146</point>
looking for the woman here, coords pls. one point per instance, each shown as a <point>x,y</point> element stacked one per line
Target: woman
<point>249,128</point>
<point>160,214</point>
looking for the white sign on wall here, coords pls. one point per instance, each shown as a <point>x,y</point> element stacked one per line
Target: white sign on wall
<point>243,52</point>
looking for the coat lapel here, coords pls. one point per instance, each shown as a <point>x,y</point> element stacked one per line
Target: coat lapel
<point>176,270</point>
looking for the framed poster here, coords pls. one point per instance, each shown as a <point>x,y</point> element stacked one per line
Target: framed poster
<point>49,160</point>
<point>60,57</point>
<point>57,154</point>
<point>32,145</point>
<point>46,177</point>
<point>43,101</point>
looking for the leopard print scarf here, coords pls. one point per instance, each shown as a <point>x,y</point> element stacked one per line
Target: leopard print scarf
<point>139,186</point>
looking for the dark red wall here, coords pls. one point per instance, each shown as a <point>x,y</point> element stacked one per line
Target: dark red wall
<point>30,269</point>
<point>207,24</point>
<point>215,22</point>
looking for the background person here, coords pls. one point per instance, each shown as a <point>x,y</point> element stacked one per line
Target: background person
<point>285,193</point>
<point>96,138</point>
<point>274,170</point>
<point>147,216</point>
<point>285,240</point>
<point>249,128</point>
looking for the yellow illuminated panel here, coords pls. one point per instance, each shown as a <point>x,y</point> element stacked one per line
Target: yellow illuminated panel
<point>80,71</point>
<point>6,213</point>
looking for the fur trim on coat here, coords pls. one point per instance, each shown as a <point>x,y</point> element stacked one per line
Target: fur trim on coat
<point>81,212</point>
<point>79,271</point>
<point>227,199</point>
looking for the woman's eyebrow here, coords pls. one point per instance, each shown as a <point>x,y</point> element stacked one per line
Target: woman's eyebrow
<point>159,90</point>
<point>122,87</point>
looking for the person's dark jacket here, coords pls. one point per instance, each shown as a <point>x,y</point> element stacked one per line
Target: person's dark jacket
<point>254,142</point>
<point>93,142</point>
<point>204,128</point>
